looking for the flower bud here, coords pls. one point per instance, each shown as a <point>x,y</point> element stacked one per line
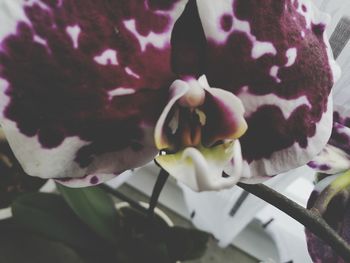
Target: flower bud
<point>331,198</point>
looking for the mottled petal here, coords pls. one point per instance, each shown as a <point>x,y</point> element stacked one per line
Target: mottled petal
<point>84,82</point>
<point>273,55</point>
<point>201,169</point>
<point>224,116</point>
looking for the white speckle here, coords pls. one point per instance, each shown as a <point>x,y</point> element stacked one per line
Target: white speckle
<point>73,32</point>
<point>40,40</point>
<point>262,48</point>
<point>291,55</point>
<point>274,73</point>
<point>36,2</point>
<point>209,11</point>
<point>108,57</point>
<point>302,34</point>
<point>157,40</point>
<point>253,102</point>
<point>120,92</point>
<point>131,72</point>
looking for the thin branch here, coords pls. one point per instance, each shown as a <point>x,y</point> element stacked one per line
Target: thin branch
<point>244,195</point>
<point>311,219</point>
<point>158,187</point>
<point>123,197</point>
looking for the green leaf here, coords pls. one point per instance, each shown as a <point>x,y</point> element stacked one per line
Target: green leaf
<point>186,244</point>
<point>50,216</point>
<point>94,207</point>
<point>17,247</point>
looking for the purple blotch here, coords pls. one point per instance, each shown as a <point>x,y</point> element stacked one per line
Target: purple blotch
<point>324,167</point>
<point>94,180</point>
<point>313,165</point>
<point>226,22</point>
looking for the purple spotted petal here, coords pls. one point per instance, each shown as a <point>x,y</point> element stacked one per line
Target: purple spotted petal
<point>224,116</point>
<point>273,55</point>
<point>83,82</point>
<point>338,216</point>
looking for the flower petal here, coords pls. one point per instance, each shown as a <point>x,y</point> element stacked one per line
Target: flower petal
<point>201,169</point>
<point>177,90</point>
<point>275,57</point>
<point>224,116</point>
<point>331,161</point>
<point>341,136</point>
<point>83,83</point>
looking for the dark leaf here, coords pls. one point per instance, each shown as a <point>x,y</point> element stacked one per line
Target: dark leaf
<point>50,216</point>
<point>18,247</point>
<point>94,207</point>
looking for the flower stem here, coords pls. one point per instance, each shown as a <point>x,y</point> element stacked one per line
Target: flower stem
<point>311,219</point>
<point>157,189</point>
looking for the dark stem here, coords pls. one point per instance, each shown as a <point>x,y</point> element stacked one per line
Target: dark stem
<point>157,189</point>
<point>311,219</point>
<point>244,195</point>
<point>123,197</point>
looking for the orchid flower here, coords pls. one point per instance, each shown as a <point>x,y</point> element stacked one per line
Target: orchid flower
<point>93,88</point>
